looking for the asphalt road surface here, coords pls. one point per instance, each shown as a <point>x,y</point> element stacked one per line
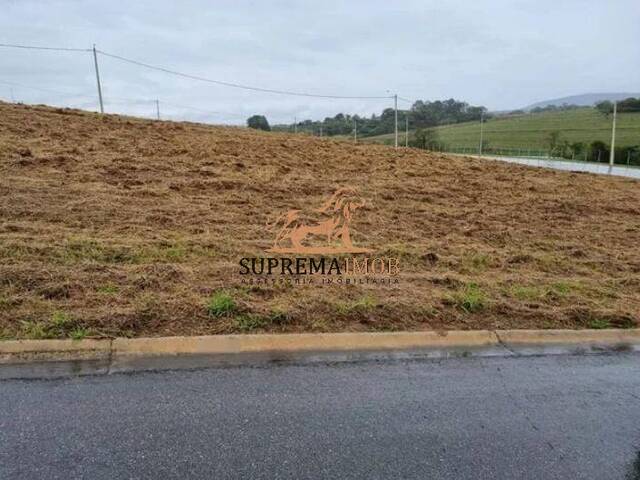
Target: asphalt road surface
<point>554,417</point>
<point>574,166</point>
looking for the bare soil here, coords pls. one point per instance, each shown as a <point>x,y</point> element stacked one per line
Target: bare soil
<point>120,226</point>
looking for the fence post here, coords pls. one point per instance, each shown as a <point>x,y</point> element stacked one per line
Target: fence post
<point>481,132</point>
<point>95,62</point>
<point>406,130</point>
<point>612,154</point>
<point>395,107</point>
<point>158,109</point>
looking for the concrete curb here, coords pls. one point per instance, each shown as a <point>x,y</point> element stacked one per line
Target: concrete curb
<point>36,358</point>
<point>540,342</point>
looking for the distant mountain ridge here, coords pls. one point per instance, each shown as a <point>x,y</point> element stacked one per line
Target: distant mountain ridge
<point>586,99</point>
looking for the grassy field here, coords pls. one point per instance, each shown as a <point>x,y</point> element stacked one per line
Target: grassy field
<point>119,226</point>
<point>531,131</point>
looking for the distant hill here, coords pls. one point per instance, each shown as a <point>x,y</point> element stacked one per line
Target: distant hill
<point>586,99</point>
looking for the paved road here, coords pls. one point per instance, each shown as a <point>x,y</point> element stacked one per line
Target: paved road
<point>601,168</point>
<point>556,417</point>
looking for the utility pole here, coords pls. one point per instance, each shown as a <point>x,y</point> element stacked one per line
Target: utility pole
<point>355,131</point>
<point>395,107</point>
<point>320,130</point>
<point>481,131</point>
<point>158,109</point>
<point>406,130</point>
<point>13,100</point>
<point>95,62</point>
<point>612,155</point>
<point>295,124</point>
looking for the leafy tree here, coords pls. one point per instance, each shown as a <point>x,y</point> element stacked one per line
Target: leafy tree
<point>553,140</point>
<point>628,154</point>
<point>598,151</point>
<point>629,105</point>
<point>430,114</point>
<point>425,138</point>
<point>577,148</point>
<point>605,107</point>
<point>259,122</point>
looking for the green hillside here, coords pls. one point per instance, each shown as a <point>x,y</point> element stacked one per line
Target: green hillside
<point>533,130</point>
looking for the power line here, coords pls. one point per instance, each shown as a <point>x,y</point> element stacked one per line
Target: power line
<point>236,85</point>
<point>193,77</point>
<point>47,90</point>
<point>210,112</point>
<point>33,47</point>
<point>125,100</point>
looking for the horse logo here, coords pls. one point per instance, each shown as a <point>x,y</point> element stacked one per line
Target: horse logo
<point>330,223</point>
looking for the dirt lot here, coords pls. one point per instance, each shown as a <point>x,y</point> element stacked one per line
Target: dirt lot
<point>118,226</point>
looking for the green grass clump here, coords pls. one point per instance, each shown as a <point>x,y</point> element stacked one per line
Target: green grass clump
<point>81,250</point>
<point>470,298</point>
<point>477,262</point>
<point>220,304</point>
<point>560,289</point>
<point>555,291</point>
<point>175,253</point>
<point>526,292</point>
<point>109,289</point>
<point>278,317</point>
<point>5,334</point>
<point>34,330</point>
<point>249,322</point>
<point>363,304</point>
<point>59,325</point>
<point>599,324</point>
<point>78,333</point>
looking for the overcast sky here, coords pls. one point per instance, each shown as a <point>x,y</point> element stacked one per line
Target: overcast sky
<point>503,54</point>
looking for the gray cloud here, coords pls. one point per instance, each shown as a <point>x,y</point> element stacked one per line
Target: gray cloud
<point>502,53</point>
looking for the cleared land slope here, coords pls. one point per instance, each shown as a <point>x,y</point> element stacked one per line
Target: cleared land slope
<point>120,226</point>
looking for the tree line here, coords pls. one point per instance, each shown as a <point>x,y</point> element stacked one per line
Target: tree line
<point>627,105</point>
<point>422,114</point>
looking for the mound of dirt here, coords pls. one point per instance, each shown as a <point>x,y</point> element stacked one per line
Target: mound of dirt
<point>112,225</point>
